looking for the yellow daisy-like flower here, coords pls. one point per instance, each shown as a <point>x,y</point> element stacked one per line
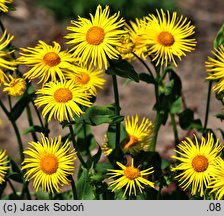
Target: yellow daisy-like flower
<point>130,177</point>
<point>139,134</point>
<point>3,5</point>
<point>62,100</point>
<point>5,61</point>
<point>47,62</point>
<point>49,163</point>
<point>215,69</point>
<point>4,165</point>
<point>87,78</point>
<point>197,162</point>
<point>138,40</point>
<point>95,40</point>
<point>15,87</point>
<point>217,182</point>
<point>168,37</point>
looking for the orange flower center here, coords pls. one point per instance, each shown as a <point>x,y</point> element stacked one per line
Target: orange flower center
<point>131,141</point>
<point>165,38</point>
<point>200,163</point>
<point>51,59</point>
<point>62,95</point>
<point>49,164</point>
<point>82,78</point>
<point>95,35</point>
<point>132,173</point>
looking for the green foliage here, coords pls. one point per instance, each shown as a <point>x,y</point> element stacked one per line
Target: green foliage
<point>130,9</point>
<point>85,191</point>
<point>123,69</point>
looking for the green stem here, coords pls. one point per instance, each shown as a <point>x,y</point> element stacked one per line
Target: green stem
<point>30,120</point>
<point>13,188</point>
<point>175,132</point>
<point>74,192</point>
<point>157,124</point>
<point>38,115</point>
<point>207,106</point>
<point>19,140</point>
<point>117,110</point>
<point>10,102</point>
<point>4,108</point>
<point>75,145</point>
<point>143,62</point>
<point>85,140</point>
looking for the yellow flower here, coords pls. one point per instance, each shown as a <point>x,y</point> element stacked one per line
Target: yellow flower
<point>47,62</point>
<point>87,78</point>
<point>215,69</point>
<point>49,163</point>
<point>197,162</point>
<point>130,177</point>
<point>4,161</point>
<point>15,87</point>
<point>95,40</point>
<point>217,182</point>
<point>5,61</point>
<point>62,100</point>
<point>139,134</point>
<point>3,5</point>
<point>138,41</point>
<point>168,37</point>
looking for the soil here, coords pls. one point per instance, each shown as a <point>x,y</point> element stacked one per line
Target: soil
<point>29,25</point>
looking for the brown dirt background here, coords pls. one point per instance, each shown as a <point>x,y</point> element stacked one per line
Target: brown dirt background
<point>29,25</point>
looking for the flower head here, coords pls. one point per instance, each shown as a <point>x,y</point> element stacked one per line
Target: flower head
<point>137,39</point>
<point>46,62</point>
<point>95,40</point>
<point>197,162</point>
<point>62,100</point>
<point>4,6</point>
<point>139,134</point>
<point>87,78</point>
<point>4,165</point>
<point>168,37</point>
<point>130,177</point>
<point>49,163</point>
<point>217,181</point>
<point>215,69</point>
<point>15,87</point>
<point>5,61</point>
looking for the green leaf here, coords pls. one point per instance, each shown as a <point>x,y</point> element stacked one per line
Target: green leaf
<point>146,78</point>
<point>167,89</point>
<point>187,121</point>
<point>176,106</point>
<point>67,195</point>
<point>220,116</point>
<point>85,190</point>
<point>186,118</point>
<point>41,195</point>
<point>97,115</point>
<point>219,40</point>
<point>85,139</point>
<point>15,173</point>
<point>95,158</point>
<point>35,128</point>
<point>19,107</point>
<point>123,69</point>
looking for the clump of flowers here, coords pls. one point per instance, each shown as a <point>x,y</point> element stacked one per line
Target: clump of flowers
<point>57,90</point>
